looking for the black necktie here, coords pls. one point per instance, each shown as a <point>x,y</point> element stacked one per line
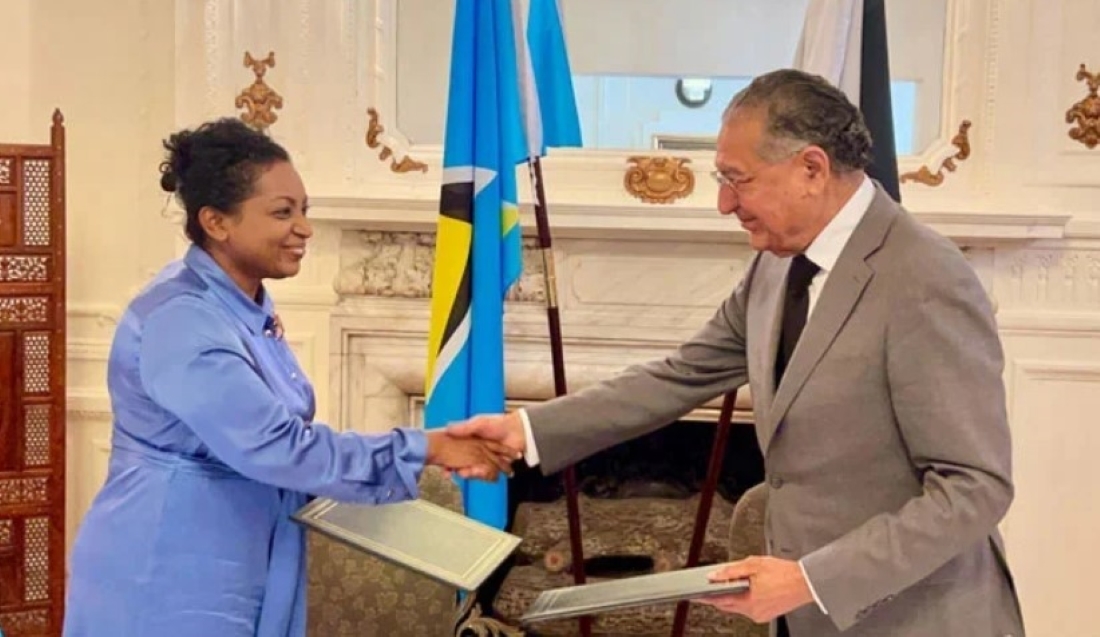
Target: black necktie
<point>796,305</point>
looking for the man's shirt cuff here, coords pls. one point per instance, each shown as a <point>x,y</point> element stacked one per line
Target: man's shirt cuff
<point>530,453</point>
<point>811,586</point>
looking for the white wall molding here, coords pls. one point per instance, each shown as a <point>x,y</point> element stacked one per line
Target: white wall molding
<point>306,298</point>
<point>1033,369</point>
<point>103,313</point>
<point>630,220</point>
<point>88,420</point>
<point>1049,278</point>
<point>88,349</point>
<point>1052,324</point>
<point>1054,396</point>
<point>88,404</point>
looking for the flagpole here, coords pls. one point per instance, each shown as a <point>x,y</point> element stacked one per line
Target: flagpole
<point>553,319</point>
<point>702,514</point>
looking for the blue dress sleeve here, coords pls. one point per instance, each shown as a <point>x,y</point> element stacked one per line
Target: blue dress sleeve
<point>196,367</point>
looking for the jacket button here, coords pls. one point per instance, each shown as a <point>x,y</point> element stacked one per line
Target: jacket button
<point>776,482</point>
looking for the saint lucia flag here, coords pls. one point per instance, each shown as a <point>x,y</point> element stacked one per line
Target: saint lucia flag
<point>845,42</point>
<point>477,254</point>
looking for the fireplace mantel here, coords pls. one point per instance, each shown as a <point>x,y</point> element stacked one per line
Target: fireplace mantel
<point>616,220</point>
<point>633,282</point>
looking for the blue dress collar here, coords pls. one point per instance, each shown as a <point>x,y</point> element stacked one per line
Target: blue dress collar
<point>258,317</point>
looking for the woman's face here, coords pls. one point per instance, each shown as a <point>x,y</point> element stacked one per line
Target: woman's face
<point>267,237</point>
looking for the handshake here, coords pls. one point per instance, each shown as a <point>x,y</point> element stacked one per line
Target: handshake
<point>481,447</point>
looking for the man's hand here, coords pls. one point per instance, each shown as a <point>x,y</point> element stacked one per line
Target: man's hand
<point>471,457</point>
<point>776,587</point>
<point>503,429</point>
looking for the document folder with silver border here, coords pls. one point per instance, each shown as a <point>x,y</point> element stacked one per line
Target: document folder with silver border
<point>643,590</point>
<point>417,535</point>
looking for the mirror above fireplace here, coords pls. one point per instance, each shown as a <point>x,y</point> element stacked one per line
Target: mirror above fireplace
<point>650,74</point>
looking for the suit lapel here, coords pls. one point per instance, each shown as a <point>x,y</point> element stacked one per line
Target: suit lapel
<point>763,325</point>
<point>837,300</point>
<point>843,289</point>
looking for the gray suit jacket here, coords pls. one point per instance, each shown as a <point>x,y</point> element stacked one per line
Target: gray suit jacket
<point>886,445</point>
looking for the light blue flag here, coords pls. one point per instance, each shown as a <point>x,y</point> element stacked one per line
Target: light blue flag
<point>557,104</point>
<point>477,254</point>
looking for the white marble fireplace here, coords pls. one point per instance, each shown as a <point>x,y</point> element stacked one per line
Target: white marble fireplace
<point>622,301</point>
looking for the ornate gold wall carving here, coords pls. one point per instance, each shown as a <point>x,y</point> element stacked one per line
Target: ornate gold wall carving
<point>659,179</point>
<point>923,175</point>
<point>374,129</point>
<point>259,100</point>
<point>1085,114</point>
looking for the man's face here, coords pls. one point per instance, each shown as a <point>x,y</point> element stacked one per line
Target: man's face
<point>776,202</point>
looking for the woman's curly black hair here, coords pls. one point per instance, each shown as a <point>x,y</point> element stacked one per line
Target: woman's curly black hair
<point>215,165</point>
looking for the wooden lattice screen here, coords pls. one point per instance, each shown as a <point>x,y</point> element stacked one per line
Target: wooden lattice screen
<point>32,386</point>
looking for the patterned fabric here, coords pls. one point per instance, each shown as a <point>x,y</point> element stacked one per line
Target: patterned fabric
<point>355,595</point>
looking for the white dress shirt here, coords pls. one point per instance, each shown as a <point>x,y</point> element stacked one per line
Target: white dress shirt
<point>827,246</point>
<point>824,252</point>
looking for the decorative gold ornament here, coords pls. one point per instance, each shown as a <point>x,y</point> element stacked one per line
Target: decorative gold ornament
<point>374,129</point>
<point>259,99</point>
<point>1086,113</point>
<point>923,175</point>
<point>659,179</point>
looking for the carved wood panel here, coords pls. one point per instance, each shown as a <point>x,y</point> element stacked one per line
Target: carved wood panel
<point>32,386</point>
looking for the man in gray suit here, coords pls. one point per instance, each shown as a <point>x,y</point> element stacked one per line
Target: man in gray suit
<point>875,369</point>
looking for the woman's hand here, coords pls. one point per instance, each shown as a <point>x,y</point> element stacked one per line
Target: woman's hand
<point>473,457</point>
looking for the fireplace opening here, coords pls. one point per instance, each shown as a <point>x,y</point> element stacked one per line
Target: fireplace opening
<point>638,503</point>
<point>617,566</point>
<point>668,463</point>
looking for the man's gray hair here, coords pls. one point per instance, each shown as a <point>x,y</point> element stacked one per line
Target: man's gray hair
<point>802,109</point>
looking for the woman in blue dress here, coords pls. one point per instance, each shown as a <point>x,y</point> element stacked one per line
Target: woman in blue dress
<point>213,443</point>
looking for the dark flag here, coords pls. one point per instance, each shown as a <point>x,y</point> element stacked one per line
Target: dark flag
<point>844,41</point>
<point>874,97</point>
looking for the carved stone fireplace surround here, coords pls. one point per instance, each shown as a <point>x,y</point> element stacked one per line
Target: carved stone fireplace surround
<point>633,282</point>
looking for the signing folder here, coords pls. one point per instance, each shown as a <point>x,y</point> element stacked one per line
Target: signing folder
<point>417,535</point>
<point>602,597</point>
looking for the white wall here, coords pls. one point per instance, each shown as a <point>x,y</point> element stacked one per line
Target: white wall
<point>15,50</point>
<point>115,87</point>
